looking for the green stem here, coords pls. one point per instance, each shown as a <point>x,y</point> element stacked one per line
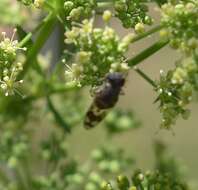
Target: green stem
<point>57,116</point>
<point>147,53</point>
<point>147,33</point>
<point>145,76</point>
<point>43,35</point>
<point>26,171</point>
<point>3,176</point>
<point>25,40</point>
<point>19,178</point>
<point>28,37</point>
<point>44,21</point>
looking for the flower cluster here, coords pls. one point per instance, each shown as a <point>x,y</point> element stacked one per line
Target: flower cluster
<point>38,3</point>
<point>55,179</point>
<point>9,67</point>
<point>181,25</point>
<point>180,21</point>
<point>58,144</point>
<point>66,172</point>
<point>105,161</point>
<point>78,9</point>
<point>165,162</point>
<point>175,91</point>
<point>132,13</point>
<point>14,147</point>
<point>54,153</point>
<point>100,51</point>
<point>149,180</point>
<point>119,121</point>
<point>111,160</point>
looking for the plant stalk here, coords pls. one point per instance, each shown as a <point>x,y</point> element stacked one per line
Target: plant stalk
<point>145,76</point>
<point>43,35</point>
<point>147,53</point>
<point>147,33</point>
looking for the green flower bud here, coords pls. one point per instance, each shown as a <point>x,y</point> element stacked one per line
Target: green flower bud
<point>120,6</point>
<point>132,188</point>
<point>76,13</point>
<point>90,186</point>
<point>68,6</point>
<point>106,186</point>
<point>179,76</point>
<point>12,162</point>
<point>139,28</point>
<point>123,182</point>
<point>104,165</point>
<point>107,15</point>
<point>114,166</point>
<point>39,3</point>
<point>94,177</point>
<point>83,57</point>
<point>78,178</point>
<point>97,154</point>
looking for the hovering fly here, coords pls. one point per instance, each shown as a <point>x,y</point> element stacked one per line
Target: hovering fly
<point>105,98</point>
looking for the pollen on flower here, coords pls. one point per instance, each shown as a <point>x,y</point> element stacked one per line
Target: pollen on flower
<point>74,73</point>
<point>10,45</point>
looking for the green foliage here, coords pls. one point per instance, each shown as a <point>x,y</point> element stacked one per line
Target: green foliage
<point>132,12</point>
<point>142,181</point>
<point>78,9</point>
<point>9,13</point>
<point>38,117</point>
<point>166,175</point>
<point>120,121</point>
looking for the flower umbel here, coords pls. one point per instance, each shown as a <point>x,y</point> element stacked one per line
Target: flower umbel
<point>132,12</point>
<point>176,89</point>
<point>181,25</point>
<point>100,51</point>
<point>9,66</point>
<point>77,9</point>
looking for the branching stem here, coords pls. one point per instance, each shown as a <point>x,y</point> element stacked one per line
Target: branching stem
<point>147,53</point>
<point>145,76</point>
<point>147,33</point>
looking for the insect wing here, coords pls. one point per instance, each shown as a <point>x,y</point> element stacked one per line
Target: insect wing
<point>94,116</point>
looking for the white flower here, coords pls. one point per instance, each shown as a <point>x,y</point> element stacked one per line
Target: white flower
<point>9,45</point>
